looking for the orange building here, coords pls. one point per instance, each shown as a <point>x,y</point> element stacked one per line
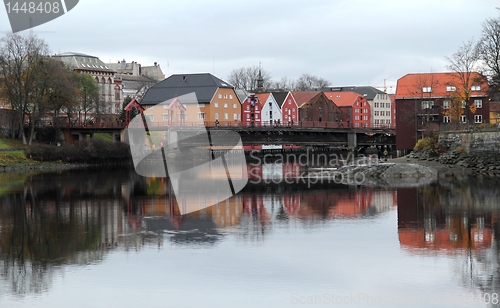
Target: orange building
<point>216,101</point>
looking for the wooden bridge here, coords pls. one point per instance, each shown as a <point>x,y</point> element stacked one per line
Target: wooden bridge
<point>303,134</point>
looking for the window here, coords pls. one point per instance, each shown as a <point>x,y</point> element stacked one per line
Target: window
<point>356,110</point>
<point>248,116</point>
<point>476,88</point>
<point>478,118</point>
<point>446,119</point>
<point>356,117</point>
<point>364,104</point>
<point>377,121</point>
<point>446,105</point>
<point>216,105</point>
<point>248,107</point>
<point>220,95</point>
<point>464,104</point>
<point>388,113</point>
<point>256,107</point>
<point>201,116</point>
<point>256,116</point>
<point>427,104</point>
<point>216,115</point>
<point>463,119</point>
<point>225,105</point>
<point>365,110</point>
<point>234,106</point>
<point>387,105</point>
<point>165,117</point>
<point>451,88</point>
<point>365,118</point>
<point>201,105</point>
<point>150,117</point>
<point>235,116</point>
<point>226,117</point>
<point>387,121</point>
<point>478,103</point>
<point>376,105</point>
<point>426,89</point>
<point>376,113</point>
<point>230,96</point>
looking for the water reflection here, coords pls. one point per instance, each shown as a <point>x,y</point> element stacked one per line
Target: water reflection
<point>51,221</point>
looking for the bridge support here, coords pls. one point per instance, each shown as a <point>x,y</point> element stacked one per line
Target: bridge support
<point>352,141</point>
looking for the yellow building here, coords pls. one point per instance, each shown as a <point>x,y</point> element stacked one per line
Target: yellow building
<point>193,99</point>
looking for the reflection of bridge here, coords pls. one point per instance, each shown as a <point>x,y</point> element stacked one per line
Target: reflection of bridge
<point>309,133</point>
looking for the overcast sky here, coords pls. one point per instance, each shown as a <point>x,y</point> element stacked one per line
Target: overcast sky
<point>347,42</point>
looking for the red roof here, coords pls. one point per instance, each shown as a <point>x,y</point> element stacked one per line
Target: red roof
<point>302,97</point>
<point>411,85</point>
<point>344,99</point>
<point>263,96</point>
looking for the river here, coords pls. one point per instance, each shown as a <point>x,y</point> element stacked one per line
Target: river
<point>111,238</point>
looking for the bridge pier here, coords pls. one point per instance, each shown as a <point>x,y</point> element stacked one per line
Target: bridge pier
<point>352,141</point>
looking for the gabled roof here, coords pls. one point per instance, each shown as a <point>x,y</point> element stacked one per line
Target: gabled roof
<point>280,97</point>
<point>344,99</point>
<point>410,85</point>
<point>263,97</point>
<point>368,92</point>
<point>302,97</point>
<point>203,85</point>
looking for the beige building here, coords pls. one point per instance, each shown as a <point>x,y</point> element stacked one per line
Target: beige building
<point>110,85</point>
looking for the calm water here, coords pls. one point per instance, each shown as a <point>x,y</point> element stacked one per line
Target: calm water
<point>110,238</point>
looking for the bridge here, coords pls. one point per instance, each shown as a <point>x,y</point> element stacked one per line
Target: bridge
<point>303,134</point>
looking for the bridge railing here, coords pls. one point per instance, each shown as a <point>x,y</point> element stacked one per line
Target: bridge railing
<point>222,124</point>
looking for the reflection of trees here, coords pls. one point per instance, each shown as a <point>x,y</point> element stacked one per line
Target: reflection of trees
<point>35,238</point>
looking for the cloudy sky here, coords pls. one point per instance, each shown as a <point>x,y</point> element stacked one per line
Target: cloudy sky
<point>347,42</point>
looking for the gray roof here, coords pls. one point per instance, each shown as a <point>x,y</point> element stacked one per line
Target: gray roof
<point>242,94</point>
<point>367,91</point>
<point>82,61</point>
<point>203,85</point>
<point>280,97</point>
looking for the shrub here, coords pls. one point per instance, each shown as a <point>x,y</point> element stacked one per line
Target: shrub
<point>427,143</point>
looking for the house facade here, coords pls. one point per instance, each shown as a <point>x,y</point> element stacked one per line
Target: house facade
<point>289,110</point>
<point>429,102</point>
<point>271,111</point>
<point>315,106</point>
<point>356,112</point>
<point>251,111</point>
<point>110,85</point>
<point>379,101</point>
<point>216,101</point>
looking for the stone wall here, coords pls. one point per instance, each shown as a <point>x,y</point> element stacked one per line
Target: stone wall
<point>471,143</point>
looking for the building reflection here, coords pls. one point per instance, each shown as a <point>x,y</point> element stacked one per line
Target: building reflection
<point>426,224</point>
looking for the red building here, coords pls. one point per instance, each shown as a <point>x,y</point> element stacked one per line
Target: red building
<point>251,109</point>
<point>355,108</point>
<point>423,101</point>
<point>314,106</point>
<point>289,110</point>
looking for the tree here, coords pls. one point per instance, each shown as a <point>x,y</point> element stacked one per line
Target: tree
<point>308,82</point>
<point>284,84</point>
<point>133,112</point>
<point>20,59</point>
<point>489,53</point>
<point>464,64</point>
<point>246,78</point>
<point>88,96</point>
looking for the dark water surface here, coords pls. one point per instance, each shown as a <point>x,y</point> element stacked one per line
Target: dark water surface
<point>110,238</point>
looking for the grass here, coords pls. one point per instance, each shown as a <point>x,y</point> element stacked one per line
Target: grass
<point>104,137</point>
<point>11,144</point>
<point>14,158</point>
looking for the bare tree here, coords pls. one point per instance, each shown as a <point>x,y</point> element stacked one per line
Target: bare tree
<point>284,84</point>
<point>246,78</point>
<point>489,53</point>
<point>20,58</point>
<point>308,82</point>
<point>465,63</point>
